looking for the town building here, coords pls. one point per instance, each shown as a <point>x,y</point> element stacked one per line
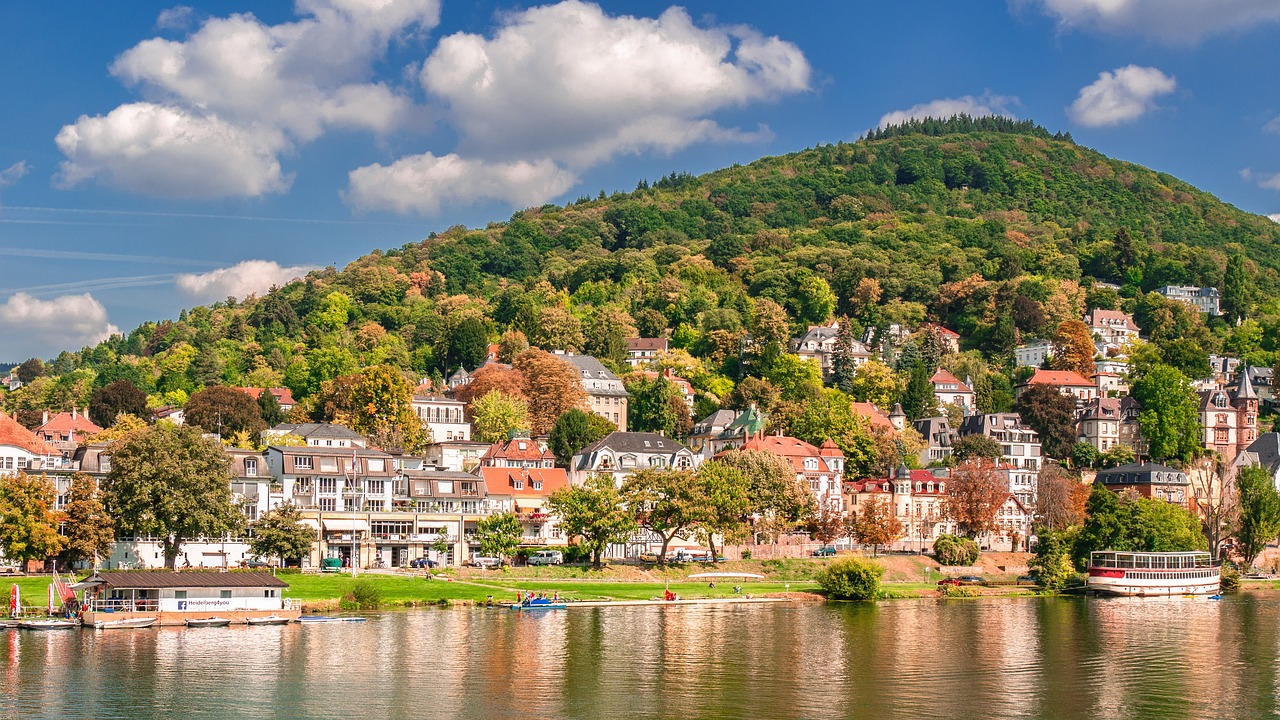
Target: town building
<point>1205,299</point>
<point>642,351</point>
<point>175,597</point>
<point>530,490</point>
<point>820,468</point>
<point>459,378</point>
<point>518,451</point>
<point>875,417</point>
<point>67,430</point>
<point>1067,382</point>
<point>1019,444</point>
<point>1032,354</point>
<point>746,425</point>
<point>329,435</point>
<point>1229,418</point>
<point>622,454</point>
<point>284,396</point>
<point>707,429</point>
<point>174,415</point>
<point>456,455</point>
<point>917,498</point>
<point>1148,480</point>
<point>950,391</point>
<point>938,436</point>
<point>684,387</point>
<point>1264,453</point>
<point>330,479</point>
<point>819,344</point>
<point>442,416</point>
<point>1114,327</point>
<point>22,451</point>
<point>1107,422</point>
<point>606,396</point>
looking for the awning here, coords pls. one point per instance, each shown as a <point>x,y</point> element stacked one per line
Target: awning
<point>313,524</point>
<point>345,524</point>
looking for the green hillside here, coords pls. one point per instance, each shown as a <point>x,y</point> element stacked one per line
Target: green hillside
<point>994,228</point>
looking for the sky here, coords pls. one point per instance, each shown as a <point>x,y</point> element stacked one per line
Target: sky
<point>156,156</point>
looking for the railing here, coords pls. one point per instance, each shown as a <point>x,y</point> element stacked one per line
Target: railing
<point>122,605</point>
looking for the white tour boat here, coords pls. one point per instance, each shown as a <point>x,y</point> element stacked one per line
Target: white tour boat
<point>1153,574</point>
<point>137,623</point>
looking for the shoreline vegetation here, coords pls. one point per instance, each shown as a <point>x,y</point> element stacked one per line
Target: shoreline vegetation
<point>906,577</point>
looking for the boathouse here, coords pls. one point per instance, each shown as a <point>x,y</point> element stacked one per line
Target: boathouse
<point>175,597</point>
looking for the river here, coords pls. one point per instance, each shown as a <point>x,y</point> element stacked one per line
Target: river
<point>987,658</point>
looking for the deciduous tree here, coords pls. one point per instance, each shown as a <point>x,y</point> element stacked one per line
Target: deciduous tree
<point>89,530</point>
<point>552,387</point>
<point>1170,419</point>
<point>725,494</point>
<point>1060,498</point>
<point>170,482</point>
<point>1073,348</point>
<point>496,414</point>
<point>666,503</point>
<point>28,523</point>
<point>280,534</point>
<point>111,400</point>
<point>875,525</point>
<point>499,534</point>
<point>977,491</point>
<point>594,512</point>
<point>779,501</point>
<point>1259,512</point>
<point>575,429</point>
<point>875,383</point>
<point>1047,411</point>
<point>224,410</point>
<point>489,378</point>
<point>650,408</point>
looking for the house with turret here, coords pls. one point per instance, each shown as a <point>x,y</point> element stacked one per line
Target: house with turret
<point>1229,418</point>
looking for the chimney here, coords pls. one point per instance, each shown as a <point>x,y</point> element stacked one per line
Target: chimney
<point>75,412</point>
<point>45,415</point>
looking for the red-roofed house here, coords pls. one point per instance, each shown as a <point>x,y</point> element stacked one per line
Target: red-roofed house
<point>950,391</point>
<point>918,501</point>
<point>949,338</point>
<point>21,449</point>
<point>822,468</point>
<point>67,430</point>
<point>1113,326</point>
<point>518,452</point>
<point>874,415</point>
<point>642,351</point>
<point>284,396</point>
<point>1068,382</point>
<point>529,490</point>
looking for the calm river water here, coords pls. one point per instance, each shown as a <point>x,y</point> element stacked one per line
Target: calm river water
<point>991,658</point>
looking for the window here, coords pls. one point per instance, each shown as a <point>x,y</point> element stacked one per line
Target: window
<point>179,594</point>
<point>224,594</point>
<point>302,463</point>
<point>376,465</point>
<point>328,485</point>
<point>537,484</point>
<point>329,465</point>
<point>517,484</point>
<point>251,467</point>
<point>657,462</point>
<point>327,504</point>
<point>377,487</point>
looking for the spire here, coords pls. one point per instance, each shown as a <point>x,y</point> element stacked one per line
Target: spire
<point>1245,391</point>
<point>897,417</point>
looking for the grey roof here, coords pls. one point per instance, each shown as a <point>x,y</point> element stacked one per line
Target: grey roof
<point>458,375</point>
<point>587,364</point>
<point>329,450</point>
<point>1142,474</point>
<point>152,579</point>
<point>1245,390</point>
<point>717,419</point>
<point>643,442</point>
<point>1266,451</point>
<point>935,430</point>
<point>321,430</point>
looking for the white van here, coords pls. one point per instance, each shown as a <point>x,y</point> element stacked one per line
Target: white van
<point>547,557</point>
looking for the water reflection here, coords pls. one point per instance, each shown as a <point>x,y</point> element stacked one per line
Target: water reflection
<point>1005,658</point>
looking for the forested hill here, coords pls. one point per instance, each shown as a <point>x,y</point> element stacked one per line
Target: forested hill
<point>995,228</point>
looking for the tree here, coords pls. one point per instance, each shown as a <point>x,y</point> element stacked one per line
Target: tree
<point>1073,348</point>
<point>875,383</point>
<point>852,579</point>
<point>875,525</point>
<point>1047,411</point>
<point>665,503</point>
<point>1170,419</point>
<point>770,331</point>
<point>499,534</point>
<point>971,447</point>
<point>779,500</point>
<point>489,378</point>
<point>1238,289</point>
<point>557,329</point>
<point>843,369</point>
<point>111,400</point>
<point>650,409</point>
<point>763,394</point>
<point>553,386</point>
<point>30,370</point>
<point>468,344</point>
<point>575,429</point>
<point>269,408</point>
<point>224,410</point>
<point>814,299</point>
<point>376,402</point>
<point>169,482</point>
<point>512,343</point>
<point>28,523</point>
<point>918,399</point>
<point>1131,523</point>
<point>495,415</point>
<point>607,333</point>
<point>280,534</point>
<point>955,551</point>
<point>1060,498</point>
<point>1259,512</point>
<point>89,530</point>
<point>1217,502</point>
<point>725,494</point>
<point>977,492</point>
<point>1084,455</point>
<point>594,512</point>
<point>1052,562</point>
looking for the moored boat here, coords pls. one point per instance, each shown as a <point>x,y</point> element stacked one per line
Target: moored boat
<point>207,622</point>
<point>47,624</point>
<point>1153,574</point>
<point>125,624</point>
<point>269,620</point>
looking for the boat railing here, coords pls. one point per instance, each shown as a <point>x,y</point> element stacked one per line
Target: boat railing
<point>125,605</point>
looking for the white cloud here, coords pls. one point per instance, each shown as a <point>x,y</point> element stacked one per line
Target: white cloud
<point>570,83</point>
<point>168,152</point>
<point>1273,125</point>
<point>177,17</point>
<point>251,277</point>
<point>1169,21</point>
<point>1269,181</point>
<point>1120,96</point>
<point>1275,217</point>
<point>421,183</point>
<point>942,108</point>
<point>259,89</point>
<point>67,322</point>
<point>14,173</point>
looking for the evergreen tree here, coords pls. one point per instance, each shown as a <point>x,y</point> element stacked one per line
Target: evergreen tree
<point>269,407</point>
<point>918,399</point>
<point>1237,290</point>
<point>843,369</point>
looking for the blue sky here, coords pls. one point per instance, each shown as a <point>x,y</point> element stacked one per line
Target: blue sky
<point>157,156</point>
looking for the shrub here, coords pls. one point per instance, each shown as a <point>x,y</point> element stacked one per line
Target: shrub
<point>851,579</point>
<point>746,554</point>
<point>953,550</point>
<point>1052,562</point>
<point>574,554</point>
<point>363,593</point>
<point>1230,580</point>
<point>957,591</point>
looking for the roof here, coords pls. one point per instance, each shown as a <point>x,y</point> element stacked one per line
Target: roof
<point>1098,317</point>
<point>317,430</point>
<point>1245,389</point>
<point>1265,451</point>
<point>748,422</point>
<point>65,422</point>
<point>589,366</point>
<point>284,396</point>
<point>641,442</point>
<point>1141,474</point>
<point>329,450</point>
<point>717,419</point>
<point>943,376</point>
<point>1102,409</point>
<point>647,344</point>
<point>520,448</point>
<point>1058,378</point>
<point>501,480</point>
<point>872,413</point>
<point>13,433</point>
<point>793,449</point>
<point>152,579</point>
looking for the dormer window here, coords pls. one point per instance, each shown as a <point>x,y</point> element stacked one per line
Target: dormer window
<point>537,484</point>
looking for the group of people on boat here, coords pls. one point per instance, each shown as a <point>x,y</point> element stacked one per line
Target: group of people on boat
<point>530,598</point>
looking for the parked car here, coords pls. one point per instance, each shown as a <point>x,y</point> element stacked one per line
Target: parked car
<point>255,564</point>
<point>423,563</point>
<point>486,562</point>
<point>648,557</point>
<point>971,580</point>
<point>1029,578</point>
<point>949,581</point>
<point>827,551</point>
<point>547,557</point>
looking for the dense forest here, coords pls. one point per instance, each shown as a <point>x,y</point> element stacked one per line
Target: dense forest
<point>994,228</point>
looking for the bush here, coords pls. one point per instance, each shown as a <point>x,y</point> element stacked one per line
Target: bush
<point>363,593</point>
<point>851,579</point>
<point>1230,580</point>
<point>953,550</point>
<point>574,554</point>
<point>746,554</point>
<point>957,591</point>
<point>1052,562</point>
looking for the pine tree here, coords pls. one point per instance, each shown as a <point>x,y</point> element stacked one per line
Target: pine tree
<point>918,400</point>
<point>842,365</point>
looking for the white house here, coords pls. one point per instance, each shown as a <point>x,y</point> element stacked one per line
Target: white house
<point>621,454</point>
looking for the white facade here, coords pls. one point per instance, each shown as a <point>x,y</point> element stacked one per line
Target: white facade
<point>1032,354</point>
<point>443,417</point>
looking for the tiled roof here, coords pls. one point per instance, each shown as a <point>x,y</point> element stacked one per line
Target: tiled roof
<point>12,433</point>
<point>1058,378</point>
<point>647,344</point>
<point>872,413</point>
<point>518,449</point>
<point>65,422</point>
<point>642,442</point>
<point>945,377</point>
<point>154,579</point>
<point>501,481</point>
<point>284,396</point>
